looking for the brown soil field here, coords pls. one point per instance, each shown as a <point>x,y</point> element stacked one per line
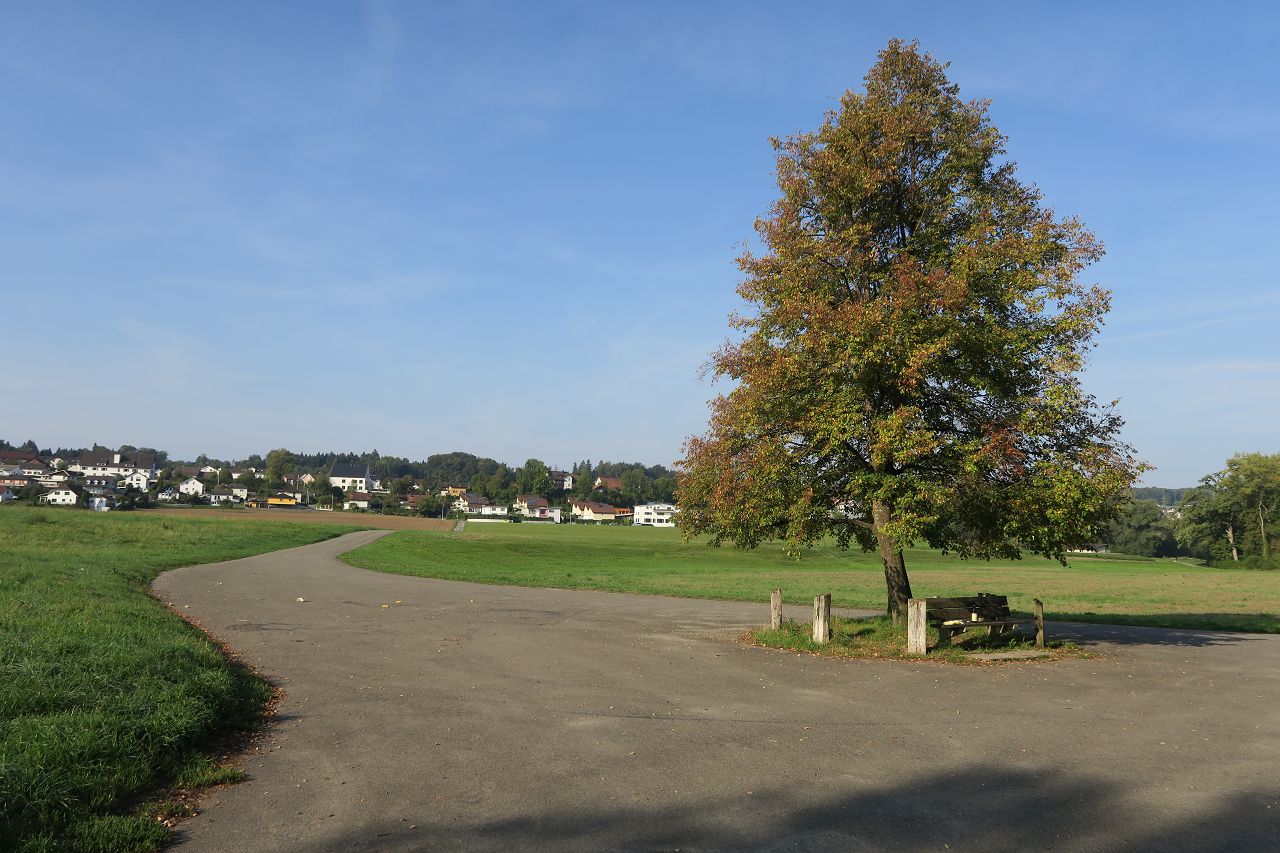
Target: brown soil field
<point>355,519</point>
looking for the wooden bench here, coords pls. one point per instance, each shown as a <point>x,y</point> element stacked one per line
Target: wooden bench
<point>955,615</point>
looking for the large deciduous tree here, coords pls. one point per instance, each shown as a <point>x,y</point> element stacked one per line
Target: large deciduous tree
<point>1234,513</point>
<point>907,370</point>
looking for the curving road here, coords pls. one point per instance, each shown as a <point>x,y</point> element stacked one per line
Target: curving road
<point>472,717</point>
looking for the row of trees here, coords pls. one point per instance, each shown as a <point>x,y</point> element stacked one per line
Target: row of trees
<point>1233,517</point>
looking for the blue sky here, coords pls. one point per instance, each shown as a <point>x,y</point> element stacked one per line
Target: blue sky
<point>509,228</point>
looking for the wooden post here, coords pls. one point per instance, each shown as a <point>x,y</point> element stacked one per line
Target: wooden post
<point>1039,623</point>
<point>917,627</point>
<point>822,618</point>
<point>775,609</point>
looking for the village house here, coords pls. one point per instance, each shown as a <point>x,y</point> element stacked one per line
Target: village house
<point>351,477</point>
<point>284,498</point>
<point>453,491</point>
<point>99,484</point>
<point>528,504</point>
<point>223,495</point>
<point>137,480</point>
<point>17,482</point>
<point>60,496</point>
<point>656,515</point>
<point>101,460</point>
<point>101,503</point>
<point>544,513</point>
<point>191,487</point>
<point>10,459</point>
<point>612,484</point>
<point>564,479</point>
<point>471,504</point>
<point>6,495</point>
<point>592,511</point>
<point>357,500</point>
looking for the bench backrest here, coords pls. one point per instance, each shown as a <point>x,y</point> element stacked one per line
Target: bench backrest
<point>984,605</point>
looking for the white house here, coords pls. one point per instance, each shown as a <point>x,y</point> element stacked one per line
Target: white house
<point>656,515</point>
<point>169,495</point>
<point>191,487</point>
<point>566,480</point>
<point>137,480</point>
<point>469,503</point>
<point>356,500</point>
<point>544,514</point>
<point>113,463</point>
<point>223,495</point>
<point>61,496</point>
<point>102,503</point>
<point>6,495</point>
<point>493,509</point>
<point>351,476</point>
<point>240,493</point>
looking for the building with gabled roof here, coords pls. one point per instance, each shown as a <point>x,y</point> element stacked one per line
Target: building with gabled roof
<point>592,511</point>
<point>351,476</point>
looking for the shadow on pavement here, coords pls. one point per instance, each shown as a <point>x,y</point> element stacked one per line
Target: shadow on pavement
<point>1087,633</point>
<point>985,809</point>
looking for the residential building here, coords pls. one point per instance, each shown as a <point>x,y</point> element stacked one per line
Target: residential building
<point>6,495</point>
<point>612,484</point>
<point>469,503</point>
<point>357,500</point>
<point>102,503</point>
<point>528,504</point>
<point>224,495</point>
<point>283,499</point>
<point>60,496</point>
<point>563,479</point>
<point>351,477</point>
<point>138,480</point>
<point>191,487</point>
<point>102,460</point>
<point>656,515</point>
<point>592,511</point>
<point>453,491</point>
<point>544,513</point>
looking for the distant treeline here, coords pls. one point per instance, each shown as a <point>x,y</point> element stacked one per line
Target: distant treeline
<point>1164,497</point>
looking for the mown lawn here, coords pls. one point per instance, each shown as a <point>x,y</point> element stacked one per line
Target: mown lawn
<point>653,561</point>
<point>105,695</point>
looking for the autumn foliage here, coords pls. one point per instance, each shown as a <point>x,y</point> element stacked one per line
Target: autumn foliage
<point>908,367</point>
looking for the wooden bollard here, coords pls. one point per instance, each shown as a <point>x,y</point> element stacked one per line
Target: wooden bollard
<point>822,618</point>
<point>775,609</point>
<point>917,627</point>
<point>1039,623</point>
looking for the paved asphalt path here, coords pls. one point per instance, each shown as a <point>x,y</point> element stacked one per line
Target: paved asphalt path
<point>473,717</point>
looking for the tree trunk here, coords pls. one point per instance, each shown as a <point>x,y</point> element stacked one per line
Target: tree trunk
<point>895,569</point>
<point>1231,537</point>
<point>1262,529</point>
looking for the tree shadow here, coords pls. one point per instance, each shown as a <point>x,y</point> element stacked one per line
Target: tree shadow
<point>962,809</point>
<point>1095,633</point>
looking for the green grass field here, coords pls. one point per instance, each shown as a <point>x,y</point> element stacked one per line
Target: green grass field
<point>106,696</point>
<point>1130,590</point>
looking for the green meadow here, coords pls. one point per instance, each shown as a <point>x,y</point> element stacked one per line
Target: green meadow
<point>1124,590</point>
<point>105,696</point>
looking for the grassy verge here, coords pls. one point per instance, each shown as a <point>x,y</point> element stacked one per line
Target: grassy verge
<point>880,638</point>
<point>105,696</point>
<point>656,562</point>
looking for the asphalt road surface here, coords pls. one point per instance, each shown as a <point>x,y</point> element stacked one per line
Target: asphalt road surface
<point>473,717</point>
